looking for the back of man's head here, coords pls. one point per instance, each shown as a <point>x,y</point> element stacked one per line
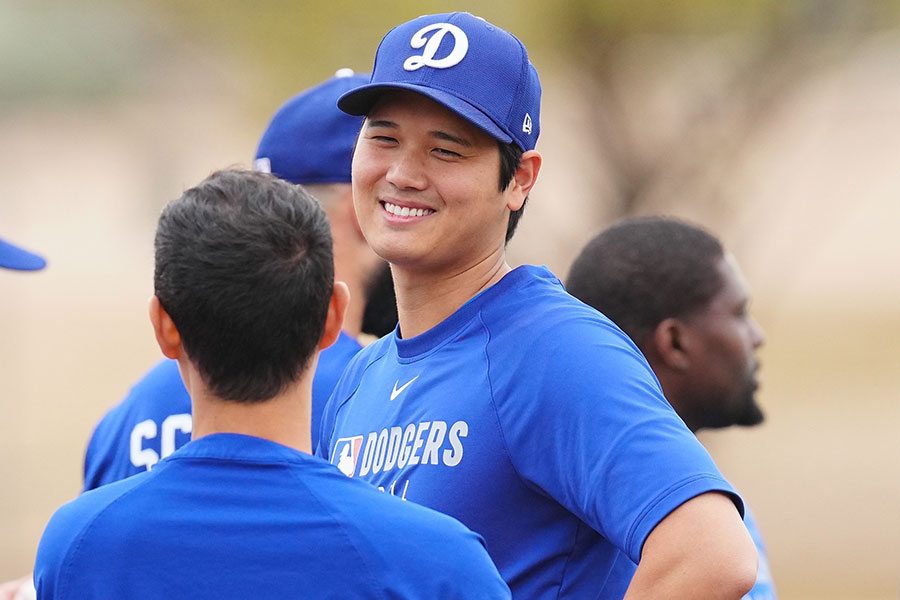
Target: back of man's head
<point>641,271</point>
<point>244,269</point>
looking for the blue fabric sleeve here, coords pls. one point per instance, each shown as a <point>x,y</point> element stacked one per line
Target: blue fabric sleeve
<point>593,431</point>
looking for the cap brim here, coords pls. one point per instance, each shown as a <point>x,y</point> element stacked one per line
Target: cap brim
<point>359,102</point>
<point>13,257</point>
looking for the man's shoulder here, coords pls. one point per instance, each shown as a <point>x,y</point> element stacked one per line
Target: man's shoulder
<point>93,503</point>
<point>536,290</point>
<point>79,519</point>
<point>409,543</point>
<point>537,310</point>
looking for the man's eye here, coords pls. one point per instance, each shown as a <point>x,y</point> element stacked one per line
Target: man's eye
<point>447,153</point>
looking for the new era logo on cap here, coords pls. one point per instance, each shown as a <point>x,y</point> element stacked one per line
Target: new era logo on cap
<point>475,69</point>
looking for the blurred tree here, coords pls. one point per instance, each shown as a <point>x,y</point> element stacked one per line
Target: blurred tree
<point>296,44</point>
<point>677,87</point>
<point>733,63</point>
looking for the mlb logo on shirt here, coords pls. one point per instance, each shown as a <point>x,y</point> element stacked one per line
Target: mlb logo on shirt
<point>346,453</point>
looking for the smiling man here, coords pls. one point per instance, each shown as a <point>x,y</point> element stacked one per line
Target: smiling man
<point>500,399</point>
<point>681,297</point>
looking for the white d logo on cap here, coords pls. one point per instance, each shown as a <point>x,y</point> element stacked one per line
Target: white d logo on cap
<point>426,59</point>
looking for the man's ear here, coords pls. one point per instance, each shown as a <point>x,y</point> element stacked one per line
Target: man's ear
<point>524,179</point>
<point>340,298</point>
<point>671,342</point>
<point>167,335</point>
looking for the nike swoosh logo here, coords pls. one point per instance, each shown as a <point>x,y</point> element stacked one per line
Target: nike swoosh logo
<point>397,392</point>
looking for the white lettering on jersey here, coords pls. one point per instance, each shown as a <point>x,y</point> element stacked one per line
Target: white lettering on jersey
<point>459,429</point>
<point>414,458</point>
<point>140,456</point>
<point>393,487</point>
<point>405,449</point>
<point>368,453</point>
<point>435,439</point>
<point>398,447</point>
<point>393,448</point>
<point>427,59</point>
<point>380,449</point>
<point>147,430</point>
<point>182,422</point>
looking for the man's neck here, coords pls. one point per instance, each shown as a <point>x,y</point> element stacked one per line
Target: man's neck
<point>426,299</point>
<point>354,264</point>
<point>352,272</point>
<point>284,419</point>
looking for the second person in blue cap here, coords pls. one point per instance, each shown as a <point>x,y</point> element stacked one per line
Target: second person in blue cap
<point>500,399</point>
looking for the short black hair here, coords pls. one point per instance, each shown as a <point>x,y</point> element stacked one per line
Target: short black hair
<point>244,267</point>
<point>510,158</point>
<point>643,270</point>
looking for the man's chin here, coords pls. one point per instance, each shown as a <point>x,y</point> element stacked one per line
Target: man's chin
<point>751,415</point>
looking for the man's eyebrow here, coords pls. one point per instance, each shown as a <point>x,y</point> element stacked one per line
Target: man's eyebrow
<point>381,123</point>
<point>447,137</point>
<point>438,134</point>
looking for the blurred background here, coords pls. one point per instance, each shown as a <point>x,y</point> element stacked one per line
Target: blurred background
<point>775,123</point>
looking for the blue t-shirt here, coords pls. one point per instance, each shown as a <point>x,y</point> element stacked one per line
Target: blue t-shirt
<point>155,418</point>
<point>764,588</point>
<point>233,516</point>
<point>535,421</point>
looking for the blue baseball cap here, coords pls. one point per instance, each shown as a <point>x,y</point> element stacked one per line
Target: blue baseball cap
<point>477,70</point>
<point>309,140</point>
<point>13,257</point>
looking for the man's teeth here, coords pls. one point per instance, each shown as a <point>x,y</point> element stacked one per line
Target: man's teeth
<point>406,211</point>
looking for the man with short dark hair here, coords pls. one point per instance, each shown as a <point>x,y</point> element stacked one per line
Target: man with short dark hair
<point>309,142</point>
<point>244,300</point>
<point>500,399</point>
<point>680,296</point>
